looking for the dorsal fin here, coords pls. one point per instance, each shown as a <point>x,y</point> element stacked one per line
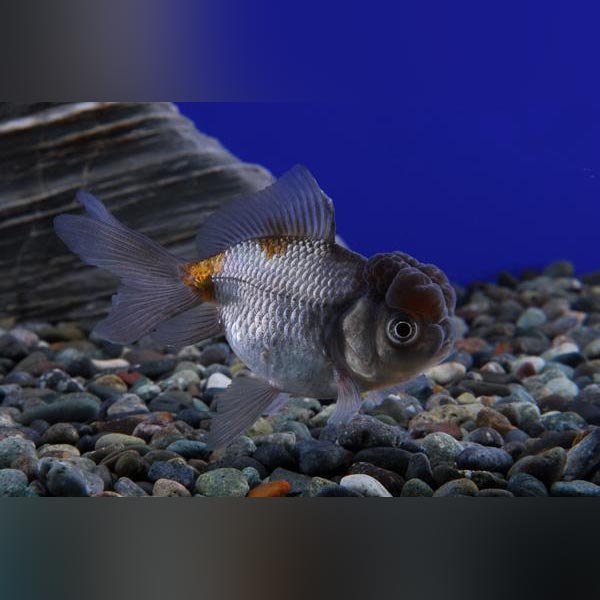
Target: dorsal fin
<point>293,206</point>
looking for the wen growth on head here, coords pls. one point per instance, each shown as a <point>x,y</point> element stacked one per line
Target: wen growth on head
<point>307,316</point>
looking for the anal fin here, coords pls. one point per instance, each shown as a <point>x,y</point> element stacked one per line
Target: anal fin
<point>238,407</point>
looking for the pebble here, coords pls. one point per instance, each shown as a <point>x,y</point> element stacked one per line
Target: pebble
<point>392,459</point>
<point>415,488</point>
<point>563,421</point>
<point>62,478</point>
<point>391,481</point>
<point>526,485</point>
<point>488,417</point>
<point>456,487</point>
<point>128,488</point>
<point>271,489</point>
<point>484,458</point>
<point>531,318</point>
<point>321,457</point>
<point>561,349</point>
<point>189,449</point>
<point>167,488</point>
<point>59,381</point>
<point>401,409</point>
<point>60,433</point>
<point>79,407</point>
<point>111,381</point>
<point>576,487</point>
<point>118,439</point>
<point>128,404</point>
<point>365,485</point>
<point>528,366</point>
<point>14,447</point>
<point>447,372</point>
<point>130,464</point>
<point>582,459</point>
<point>337,491</point>
<point>494,493</point>
<point>13,483</point>
<point>365,431</point>
<point>216,383</point>
<point>547,466</point>
<point>58,451</point>
<point>419,467</point>
<point>252,476</point>
<point>222,482</point>
<point>441,448</point>
<point>175,470</point>
<point>299,484</point>
<point>275,455</point>
<point>592,349</point>
<point>485,436</point>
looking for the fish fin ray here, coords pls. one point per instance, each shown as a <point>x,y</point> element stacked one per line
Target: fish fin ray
<point>277,404</point>
<point>348,400</point>
<point>190,327</point>
<point>238,407</point>
<point>293,206</point>
<point>151,288</point>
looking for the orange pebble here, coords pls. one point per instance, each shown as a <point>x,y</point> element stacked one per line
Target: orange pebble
<point>129,378</point>
<point>273,489</point>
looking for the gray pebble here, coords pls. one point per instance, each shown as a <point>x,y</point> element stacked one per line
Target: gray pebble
<point>14,447</point>
<point>222,482</point>
<point>441,448</point>
<point>13,483</point>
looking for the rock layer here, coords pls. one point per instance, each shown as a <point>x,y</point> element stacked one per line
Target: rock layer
<point>145,161</point>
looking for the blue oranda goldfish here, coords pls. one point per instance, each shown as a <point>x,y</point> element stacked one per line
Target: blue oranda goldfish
<point>307,316</point>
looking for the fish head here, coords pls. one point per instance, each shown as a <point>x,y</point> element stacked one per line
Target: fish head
<point>402,324</point>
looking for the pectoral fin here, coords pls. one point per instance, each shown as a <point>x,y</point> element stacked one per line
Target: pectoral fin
<point>238,408</point>
<point>348,400</point>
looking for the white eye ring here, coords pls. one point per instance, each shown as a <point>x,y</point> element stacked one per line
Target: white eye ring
<point>402,330</point>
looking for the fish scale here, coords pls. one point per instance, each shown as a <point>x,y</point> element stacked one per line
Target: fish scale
<point>274,309</point>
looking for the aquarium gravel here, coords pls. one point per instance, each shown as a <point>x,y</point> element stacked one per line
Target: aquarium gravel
<point>514,411</point>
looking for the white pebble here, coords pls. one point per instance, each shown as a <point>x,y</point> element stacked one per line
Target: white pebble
<point>217,381</point>
<point>110,363</point>
<point>446,372</point>
<point>564,348</point>
<point>536,362</point>
<point>493,367</point>
<point>365,485</point>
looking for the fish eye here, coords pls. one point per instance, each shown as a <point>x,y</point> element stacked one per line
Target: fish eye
<point>402,330</point>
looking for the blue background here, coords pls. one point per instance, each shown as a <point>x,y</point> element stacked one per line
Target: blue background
<point>472,143</point>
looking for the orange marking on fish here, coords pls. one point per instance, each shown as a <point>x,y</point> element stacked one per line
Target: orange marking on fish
<point>273,246</point>
<point>199,275</point>
<point>273,489</point>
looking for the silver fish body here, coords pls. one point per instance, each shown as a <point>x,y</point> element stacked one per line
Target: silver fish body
<point>276,309</point>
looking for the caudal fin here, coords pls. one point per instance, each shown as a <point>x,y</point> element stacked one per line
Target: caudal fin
<point>151,289</point>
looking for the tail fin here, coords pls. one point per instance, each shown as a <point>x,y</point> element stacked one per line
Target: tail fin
<point>151,289</point>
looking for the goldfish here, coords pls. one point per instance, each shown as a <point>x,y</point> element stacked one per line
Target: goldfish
<point>307,316</point>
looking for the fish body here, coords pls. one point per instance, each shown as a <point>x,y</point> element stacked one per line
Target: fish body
<point>307,316</point>
<point>276,297</point>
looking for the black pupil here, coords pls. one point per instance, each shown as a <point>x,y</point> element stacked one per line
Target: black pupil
<point>403,329</point>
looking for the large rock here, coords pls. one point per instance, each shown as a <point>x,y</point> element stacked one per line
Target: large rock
<point>150,166</point>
